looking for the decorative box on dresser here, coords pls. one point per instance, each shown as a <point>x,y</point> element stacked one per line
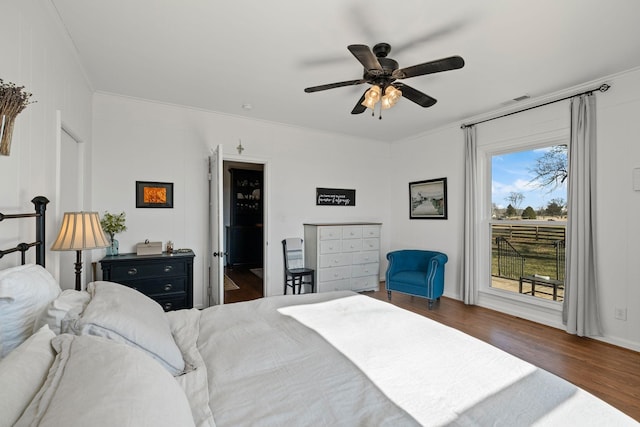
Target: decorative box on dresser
<point>166,278</point>
<point>346,256</point>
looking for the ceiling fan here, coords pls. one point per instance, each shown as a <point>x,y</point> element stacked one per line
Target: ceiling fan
<point>382,72</point>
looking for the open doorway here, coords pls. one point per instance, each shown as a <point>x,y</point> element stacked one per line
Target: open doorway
<point>243,212</point>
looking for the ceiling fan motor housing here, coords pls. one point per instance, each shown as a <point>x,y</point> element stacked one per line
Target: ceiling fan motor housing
<point>381,50</point>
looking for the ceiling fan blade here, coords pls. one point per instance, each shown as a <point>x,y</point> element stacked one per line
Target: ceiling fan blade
<point>365,56</point>
<point>334,85</point>
<point>437,66</point>
<point>359,108</point>
<point>432,36</point>
<point>422,99</point>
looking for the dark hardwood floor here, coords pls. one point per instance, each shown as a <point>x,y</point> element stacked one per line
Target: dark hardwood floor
<point>250,285</point>
<point>609,372</point>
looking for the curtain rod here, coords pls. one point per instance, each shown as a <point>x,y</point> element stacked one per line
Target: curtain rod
<point>602,88</point>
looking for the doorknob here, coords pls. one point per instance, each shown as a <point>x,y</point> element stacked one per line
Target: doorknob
<point>220,254</point>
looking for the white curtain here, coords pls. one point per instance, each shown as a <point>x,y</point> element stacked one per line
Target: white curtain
<point>580,308</point>
<point>469,264</point>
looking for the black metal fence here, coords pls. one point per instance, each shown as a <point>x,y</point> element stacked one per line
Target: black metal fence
<point>510,261</point>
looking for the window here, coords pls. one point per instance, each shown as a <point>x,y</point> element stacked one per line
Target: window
<point>528,221</point>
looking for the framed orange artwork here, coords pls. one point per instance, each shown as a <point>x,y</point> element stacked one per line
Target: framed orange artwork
<point>154,194</point>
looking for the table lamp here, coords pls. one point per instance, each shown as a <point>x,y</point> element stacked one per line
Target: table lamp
<point>80,231</point>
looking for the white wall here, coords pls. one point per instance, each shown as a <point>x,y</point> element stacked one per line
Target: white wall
<point>141,140</point>
<point>440,154</point>
<point>37,54</point>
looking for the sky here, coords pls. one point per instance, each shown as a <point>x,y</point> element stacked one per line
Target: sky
<point>511,172</point>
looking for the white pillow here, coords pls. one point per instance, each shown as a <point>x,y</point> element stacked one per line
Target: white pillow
<point>22,374</point>
<point>24,292</point>
<point>62,313</point>
<point>97,382</point>
<point>125,315</point>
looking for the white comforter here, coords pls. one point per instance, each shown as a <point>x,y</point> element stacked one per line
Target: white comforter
<point>347,359</point>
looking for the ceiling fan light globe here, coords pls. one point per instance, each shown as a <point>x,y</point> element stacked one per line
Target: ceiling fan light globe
<point>393,93</point>
<point>369,103</point>
<point>386,102</point>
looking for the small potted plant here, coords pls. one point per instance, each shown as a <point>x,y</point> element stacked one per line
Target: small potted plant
<point>113,224</point>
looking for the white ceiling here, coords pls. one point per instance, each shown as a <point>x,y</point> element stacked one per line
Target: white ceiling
<point>218,55</point>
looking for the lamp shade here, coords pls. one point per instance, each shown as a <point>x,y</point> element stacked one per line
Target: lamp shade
<point>80,230</point>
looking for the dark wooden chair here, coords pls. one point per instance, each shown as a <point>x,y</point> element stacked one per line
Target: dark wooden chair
<point>295,273</point>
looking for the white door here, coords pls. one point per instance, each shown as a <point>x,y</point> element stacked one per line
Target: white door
<point>216,270</point>
<point>70,200</point>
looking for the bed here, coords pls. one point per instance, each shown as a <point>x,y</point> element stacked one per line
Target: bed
<point>111,356</point>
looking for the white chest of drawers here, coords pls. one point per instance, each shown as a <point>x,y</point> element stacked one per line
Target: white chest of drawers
<point>346,256</point>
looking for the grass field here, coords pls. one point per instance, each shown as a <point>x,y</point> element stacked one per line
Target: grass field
<point>541,256</point>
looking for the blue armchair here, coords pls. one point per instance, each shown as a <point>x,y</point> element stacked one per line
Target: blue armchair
<point>416,272</point>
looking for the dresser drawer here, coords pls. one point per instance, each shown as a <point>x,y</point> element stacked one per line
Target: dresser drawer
<point>370,244</point>
<point>367,283</point>
<point>337,273</point>
<point>330,233</point>
<point>135,270</point>
<point>366,257</point>
<point>331,246</point>
<point>335,260</point>
<point>365,270</point>
<point>352,232</point>
<point>354,245</point>
<point>154,287</point>
<point>335,285</point>
<point>370,231</point>
<point>176,302</point>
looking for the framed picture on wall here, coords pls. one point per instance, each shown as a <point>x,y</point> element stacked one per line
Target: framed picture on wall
<point>428,199</point>
<point>154,194</point>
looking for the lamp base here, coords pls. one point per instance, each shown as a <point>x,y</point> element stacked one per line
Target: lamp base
<point>78,266</point>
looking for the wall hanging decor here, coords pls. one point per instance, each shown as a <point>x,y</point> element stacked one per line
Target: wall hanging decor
<point>154,194</point>
<point>13,99</point>
<point>428,199</point>
<point>335,197</point>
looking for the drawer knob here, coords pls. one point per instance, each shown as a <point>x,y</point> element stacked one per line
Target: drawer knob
<point>168,287</point>
<point>167,306</point>
<point>132,271</point>
<point>168,268</point>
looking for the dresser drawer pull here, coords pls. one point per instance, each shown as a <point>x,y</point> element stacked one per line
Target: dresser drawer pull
<point>132,271</point>
<point>168,287</point>
<point>168,268</point>
<point>167,306</point>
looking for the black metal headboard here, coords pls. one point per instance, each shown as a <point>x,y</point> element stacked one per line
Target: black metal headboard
<point>40,203</point>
